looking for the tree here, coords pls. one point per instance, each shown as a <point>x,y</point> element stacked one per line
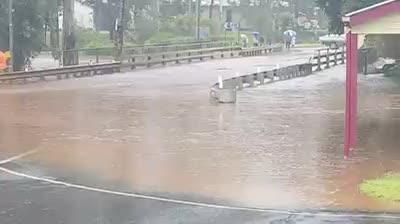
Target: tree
<point>28,20</point>
<point>335,9</point>
<point>210,13</point>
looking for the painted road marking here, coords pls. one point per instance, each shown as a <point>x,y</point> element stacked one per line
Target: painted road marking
<point>183,202</point>
<point>20,156</point>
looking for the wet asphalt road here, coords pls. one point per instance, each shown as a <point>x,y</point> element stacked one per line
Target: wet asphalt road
<point>25,201</point>
<point>32,201</point>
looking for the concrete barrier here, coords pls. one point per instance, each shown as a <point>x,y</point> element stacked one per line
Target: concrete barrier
<point>226,95</point>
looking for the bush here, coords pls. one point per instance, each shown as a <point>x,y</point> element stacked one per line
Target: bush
<point>162,37</point>
<point>92,39</point>
<point>179,28</point>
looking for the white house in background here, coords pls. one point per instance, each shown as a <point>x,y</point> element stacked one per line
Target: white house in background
<point>83,16</point>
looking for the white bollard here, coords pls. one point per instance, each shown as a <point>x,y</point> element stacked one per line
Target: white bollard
<point>220,82</point>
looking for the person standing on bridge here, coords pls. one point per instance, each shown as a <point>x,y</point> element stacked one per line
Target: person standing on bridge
<point>287,39</point>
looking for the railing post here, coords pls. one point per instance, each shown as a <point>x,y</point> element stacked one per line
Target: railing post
<point>97,55</point>
<point>335,63</point>
<point>189,54</point>
<point>319,61</point>
<point>133,61</point>
<point>177,58</point>
<point>163,59</point>
<point>239,82</point>
<point>328,59</point>
<point>342,55</point>
<point>260,77</point>
<point>148,60</point>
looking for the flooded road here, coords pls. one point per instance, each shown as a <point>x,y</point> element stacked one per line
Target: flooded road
<point>156,132</point>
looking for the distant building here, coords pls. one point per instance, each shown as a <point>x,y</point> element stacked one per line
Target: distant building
<point>83,16</point>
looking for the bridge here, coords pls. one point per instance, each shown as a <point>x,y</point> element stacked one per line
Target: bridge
<point>149,142</point>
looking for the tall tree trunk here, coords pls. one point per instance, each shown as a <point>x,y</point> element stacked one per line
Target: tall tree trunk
<point>69,38</point>
<point>210,12</point>
<point>190,7</point>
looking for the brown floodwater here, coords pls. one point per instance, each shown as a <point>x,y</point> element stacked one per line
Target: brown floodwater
<point>157,130</point>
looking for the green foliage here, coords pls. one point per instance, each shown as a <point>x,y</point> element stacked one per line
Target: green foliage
<point>87,38</point>
<point>28,19</point>
<point>179,25</point>
<point>385,188</point>
<point>352,5</point>
<point>162,37</point>
<point>286,20</point>
<point>178,28</point>
<point>333,10</point>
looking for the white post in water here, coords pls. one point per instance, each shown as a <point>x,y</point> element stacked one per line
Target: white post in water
<point>220,82</point>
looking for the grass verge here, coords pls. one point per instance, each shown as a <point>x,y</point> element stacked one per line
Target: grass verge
<point>384,188</point>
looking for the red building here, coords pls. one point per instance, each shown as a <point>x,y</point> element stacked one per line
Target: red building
<point>380,19</point>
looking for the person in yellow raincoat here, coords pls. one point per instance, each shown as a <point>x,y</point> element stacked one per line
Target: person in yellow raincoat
<point>3,62</point>
<point>8,57</point>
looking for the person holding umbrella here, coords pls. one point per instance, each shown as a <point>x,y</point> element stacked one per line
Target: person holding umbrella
<point>256,36</point>
<point>289,38</point>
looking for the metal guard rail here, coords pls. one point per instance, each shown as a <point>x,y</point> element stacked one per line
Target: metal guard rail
<point>107,68</point>
<point>227,94</point>
<point>67,71</point>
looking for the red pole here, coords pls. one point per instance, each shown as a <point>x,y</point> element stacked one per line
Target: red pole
<point>347,111</point>
<point>351,93</point>
<point>354,91</point>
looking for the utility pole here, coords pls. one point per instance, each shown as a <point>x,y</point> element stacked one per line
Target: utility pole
<point>11,35</point>
<point>158,15</point>
<point>190,7</point>
<point>210,12</point>
<point>198,6</point>
<point>69,39</point>
<point>121,30</point>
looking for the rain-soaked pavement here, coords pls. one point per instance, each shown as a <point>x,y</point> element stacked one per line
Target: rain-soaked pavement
<point>92,143</point>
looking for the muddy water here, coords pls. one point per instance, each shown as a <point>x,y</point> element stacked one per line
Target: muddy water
<point>280,146</point>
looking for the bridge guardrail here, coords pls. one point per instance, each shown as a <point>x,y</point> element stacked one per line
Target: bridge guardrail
<point>64,72</point>
<point>227,94</point>
<point>326,57</point>
<point>148,60</point>
<point>106,54</point>
<point>105,68</point>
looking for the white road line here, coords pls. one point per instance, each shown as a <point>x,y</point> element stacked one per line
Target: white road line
<point>20,156</point>
<point>198,204</point>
